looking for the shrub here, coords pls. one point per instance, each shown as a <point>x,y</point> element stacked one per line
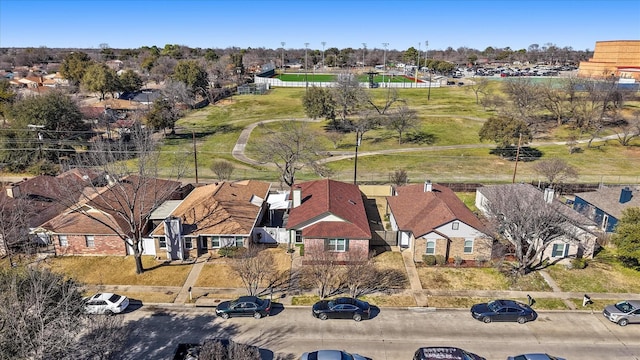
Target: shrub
<point>301,246</point>
<point>579,263</point>
<point>457,260</point>
<point>441,260</point>
<point>481,260</point>
<point>231,251</point>
<point>429,259</point>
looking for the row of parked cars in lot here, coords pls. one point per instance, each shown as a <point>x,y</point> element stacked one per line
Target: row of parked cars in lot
<point>621,313</point>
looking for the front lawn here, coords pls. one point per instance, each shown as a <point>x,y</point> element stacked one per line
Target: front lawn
<point>119,270</point>
<point>477,279</point>
<point>597,277</point>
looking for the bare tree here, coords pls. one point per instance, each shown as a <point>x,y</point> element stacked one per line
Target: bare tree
<point>335,137</point>
<point>526,101</point>
<point>364,277</point>
<point>223,349</point>
<point>555,170</point>
<point>133,190</point>
<point>399,177</point>
<point>392,97</point>
<point>555,100</point>
<point>41,314</point>
<point>527,222</point>
<point>348,95</point>
<point>15,213</point>
<point>222,169</point>
<point>322,271</point>
<point>256,269</point>
<point>629,129</point>
<point>402,120</point>
<point>290,147</point>
<point>478,86</point>
<point>101,338</point>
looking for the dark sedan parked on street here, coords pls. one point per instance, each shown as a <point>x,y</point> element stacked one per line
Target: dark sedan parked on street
<point>244,306</point>
<point>503,310</point>
<point>341,308</point>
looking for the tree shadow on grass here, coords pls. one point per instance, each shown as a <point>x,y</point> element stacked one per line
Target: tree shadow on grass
<point>526,153</point>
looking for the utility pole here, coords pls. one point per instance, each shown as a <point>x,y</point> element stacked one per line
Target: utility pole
<point>384,60</point>
<point>355,163</point>
<point>364,50</point>
<point>195,154</point>
<point>306,86</point>
<point>515,168</point>
<point>426,61</point>
<point>282,65</point>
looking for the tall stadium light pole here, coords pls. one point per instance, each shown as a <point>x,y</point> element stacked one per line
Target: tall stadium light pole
<point>364,50</point>
<point>306,80</point>
<point>323,44</point>
<point>282,65</point>
<point>426,59</point>
<point>384,65</point>
<point>418,64</point>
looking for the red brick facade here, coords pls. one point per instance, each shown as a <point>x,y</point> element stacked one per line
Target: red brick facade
<point>102,245</point>
<point>314,250</point>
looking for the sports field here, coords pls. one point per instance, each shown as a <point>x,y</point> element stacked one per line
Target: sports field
<point>331,78</point>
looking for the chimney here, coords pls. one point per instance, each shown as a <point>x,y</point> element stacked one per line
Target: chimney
<point>625,195</point>
<point>13,191</point>
<point>548,195</point>
<point>296,196</point>
<point>427,186</point>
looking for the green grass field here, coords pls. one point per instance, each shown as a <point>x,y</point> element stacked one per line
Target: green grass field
<point>451,118</point>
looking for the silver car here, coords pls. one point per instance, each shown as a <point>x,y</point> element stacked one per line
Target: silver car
<point>331,355</point>
<point>624,312</point>
<point>534,356</point>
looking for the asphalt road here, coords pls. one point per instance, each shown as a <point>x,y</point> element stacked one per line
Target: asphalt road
<point>393,334</point>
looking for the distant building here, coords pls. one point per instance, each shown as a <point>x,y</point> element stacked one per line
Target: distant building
<point>618,58</point>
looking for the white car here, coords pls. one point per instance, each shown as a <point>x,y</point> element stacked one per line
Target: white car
<point>106,303</point>
<point>331,355</point>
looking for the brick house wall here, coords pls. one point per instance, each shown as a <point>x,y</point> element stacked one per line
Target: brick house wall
<point>482,247</point>
<point>103,245</point>
<point>314,251</point>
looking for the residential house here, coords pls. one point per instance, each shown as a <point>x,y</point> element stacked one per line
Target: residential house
<point>605,205</point>
<point>211,217</point>
<point>96,224</point>
<point>582,234</point>
<point>431,220</point>
<point>329,218</point>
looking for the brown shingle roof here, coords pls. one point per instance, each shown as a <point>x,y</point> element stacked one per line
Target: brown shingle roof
<point>422,212</point>
<point>329,197</point>
<point>221,208</point>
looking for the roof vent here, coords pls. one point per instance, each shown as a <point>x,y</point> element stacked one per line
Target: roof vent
<point>625,195</point>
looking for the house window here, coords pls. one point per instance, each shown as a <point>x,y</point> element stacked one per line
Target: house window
<point>62,239</point>
<point>90,240</point>
<point>468,246</point>
<point>431,247</point>
<point>239,241</point>
<point>215,242</point>
<point>559,250</point>
<point>162,242</point>
<point>299,237</point>
<point>605,222</point>
<point>188,243</point>
<point>204,243</point>
<point>226,241</point>
<point>339,245</point>
<point>455,225</point>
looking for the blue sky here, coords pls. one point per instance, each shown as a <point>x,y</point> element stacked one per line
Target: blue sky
<point>348,23</point>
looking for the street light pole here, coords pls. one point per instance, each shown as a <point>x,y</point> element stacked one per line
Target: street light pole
<point>364,50</point>
<point>426,59</point>
<point>323,44</point>
<point>384,60</point>
<point>282,65</point>
<point>418,64</point>
<point>306,46</point>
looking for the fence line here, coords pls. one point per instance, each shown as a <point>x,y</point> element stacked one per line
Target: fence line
<point>273,82</point>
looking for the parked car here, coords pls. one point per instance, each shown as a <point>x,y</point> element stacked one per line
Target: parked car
<point>503,310</point>
<point>331,355</point>
<point>341,308</point>
<point>538,356</point>
<point>106,303</point>
<point>244,306</point>
<point>450,353</point>
<point>624,312</point>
